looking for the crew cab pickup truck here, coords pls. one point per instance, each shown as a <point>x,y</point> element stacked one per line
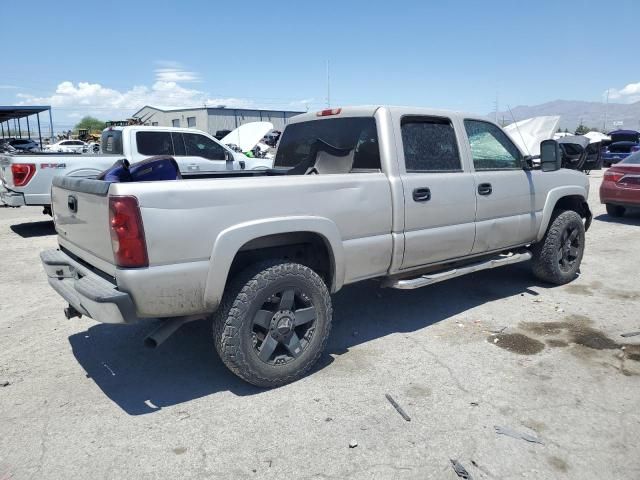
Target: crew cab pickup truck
<point>407,196</point>
<point>25,179</point>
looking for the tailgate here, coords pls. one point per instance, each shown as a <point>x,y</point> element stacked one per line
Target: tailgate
<point>81,215</point>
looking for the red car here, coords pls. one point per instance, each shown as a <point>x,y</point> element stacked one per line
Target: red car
<point>620,187</point>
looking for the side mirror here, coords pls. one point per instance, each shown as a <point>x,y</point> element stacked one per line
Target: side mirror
<point>550,156</point>
<point>228,156</point>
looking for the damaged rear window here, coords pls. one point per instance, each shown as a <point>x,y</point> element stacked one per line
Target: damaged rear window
<point>353,140</point>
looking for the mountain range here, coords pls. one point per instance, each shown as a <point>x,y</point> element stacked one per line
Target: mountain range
<point>573,113</point>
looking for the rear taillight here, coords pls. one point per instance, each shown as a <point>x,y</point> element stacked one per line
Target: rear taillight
<point>613,176</point>
<point>127,232</point>
<point>22,173</point>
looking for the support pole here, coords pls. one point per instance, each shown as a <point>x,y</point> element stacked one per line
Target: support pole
<point>51,125</point>
<point>28,129</point>
<point>39,131</point>
<point>19,129</point>
<point>2,125</point>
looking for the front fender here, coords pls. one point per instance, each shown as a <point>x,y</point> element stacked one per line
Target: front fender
<point>229,242</point>
<point>553,196</point>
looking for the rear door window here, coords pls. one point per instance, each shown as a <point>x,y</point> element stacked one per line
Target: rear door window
<point>154,143</point>
<point>201,146</point>
<point>342,144</point>
<point>430,145</point>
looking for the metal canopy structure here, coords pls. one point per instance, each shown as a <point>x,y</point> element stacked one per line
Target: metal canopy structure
<point>12,114</point>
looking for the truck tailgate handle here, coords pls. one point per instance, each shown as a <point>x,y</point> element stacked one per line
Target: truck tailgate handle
<point>485,189</point>
<point>422,194</point>
<point>72,203</point>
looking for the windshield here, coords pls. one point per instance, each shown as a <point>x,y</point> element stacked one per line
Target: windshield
<point>353,139</point>
<point>633,159</point>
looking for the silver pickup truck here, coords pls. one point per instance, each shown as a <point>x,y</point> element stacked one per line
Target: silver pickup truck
<point>408,196</point>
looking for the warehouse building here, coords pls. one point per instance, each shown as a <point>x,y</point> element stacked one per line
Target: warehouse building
<point>212,119</point>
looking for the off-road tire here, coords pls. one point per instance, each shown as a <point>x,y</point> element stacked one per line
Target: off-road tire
<point>615,210</point>
<point>232,322</point>
<point>545,263</point>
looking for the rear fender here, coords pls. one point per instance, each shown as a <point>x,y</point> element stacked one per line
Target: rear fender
<point>230,241</point>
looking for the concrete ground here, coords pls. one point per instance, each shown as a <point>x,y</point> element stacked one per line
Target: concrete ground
<point>85,400</point>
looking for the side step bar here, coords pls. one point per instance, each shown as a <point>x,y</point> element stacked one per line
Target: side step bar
<point>431,278</point>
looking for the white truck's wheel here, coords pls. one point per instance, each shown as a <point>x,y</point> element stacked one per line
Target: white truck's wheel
<point>273,323</point>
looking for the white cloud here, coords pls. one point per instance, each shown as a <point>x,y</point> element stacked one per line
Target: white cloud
<point>170,71</point>
<point>96,97</point>
<point>72,100</point>
<point>628,94</point>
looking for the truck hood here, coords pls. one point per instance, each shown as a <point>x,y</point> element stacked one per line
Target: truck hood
<point>248,135</point>
<point>528,133</point>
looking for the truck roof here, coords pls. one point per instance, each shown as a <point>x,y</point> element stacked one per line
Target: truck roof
<point>154,128</point>
<point>370,110</point>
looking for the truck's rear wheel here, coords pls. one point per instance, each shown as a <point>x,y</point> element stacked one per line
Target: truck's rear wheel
<point>556,259</point>
<point>615,210</point>
<point>273,323</point>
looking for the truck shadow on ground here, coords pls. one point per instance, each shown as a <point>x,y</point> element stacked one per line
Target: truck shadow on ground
<point>186,367</point>
<point>631,217</point>
<point>34,229</point>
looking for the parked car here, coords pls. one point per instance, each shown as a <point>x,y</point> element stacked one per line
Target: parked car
<point>623,143</point>
<point>580,153</point>
<point>67,146</point>
<point>26,179</point>
<point>24,144</point>
<point>407,196</point>
<point>620,188</point>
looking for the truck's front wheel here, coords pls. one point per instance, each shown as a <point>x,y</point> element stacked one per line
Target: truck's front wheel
<point>273,323</point>
<point>556,259</point>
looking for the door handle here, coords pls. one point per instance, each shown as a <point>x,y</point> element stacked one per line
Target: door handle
<point>422,194</point>
<point>193,166</point>
<point>485,189</point>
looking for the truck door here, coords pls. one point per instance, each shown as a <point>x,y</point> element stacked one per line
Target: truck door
<point>505,192</point>
<point>439,194</point>
<point>202,154</point>
<point>194,152</point>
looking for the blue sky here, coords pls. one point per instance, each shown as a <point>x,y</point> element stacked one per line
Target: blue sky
<point>108,58</point>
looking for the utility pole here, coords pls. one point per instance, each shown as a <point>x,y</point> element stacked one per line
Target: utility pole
<point>328,86</point>
<point>606,111</point>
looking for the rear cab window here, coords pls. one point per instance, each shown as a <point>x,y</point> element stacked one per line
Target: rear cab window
<point>330,146</point>
<point>111,142</point>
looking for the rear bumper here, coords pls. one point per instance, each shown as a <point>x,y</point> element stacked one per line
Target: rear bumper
<point>613,194</point>
<point>87,292</point>
<point>13,199</point>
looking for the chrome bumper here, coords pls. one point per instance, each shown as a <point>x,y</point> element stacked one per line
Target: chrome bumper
<point>12,199</point>
<point>86,291</point>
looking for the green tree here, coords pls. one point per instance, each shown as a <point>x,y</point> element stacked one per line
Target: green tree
<point>581,130</point>
<point>90,123</point>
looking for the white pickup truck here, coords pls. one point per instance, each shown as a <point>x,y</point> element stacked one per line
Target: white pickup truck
<point>25,179</point>
<point>407,196</point>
